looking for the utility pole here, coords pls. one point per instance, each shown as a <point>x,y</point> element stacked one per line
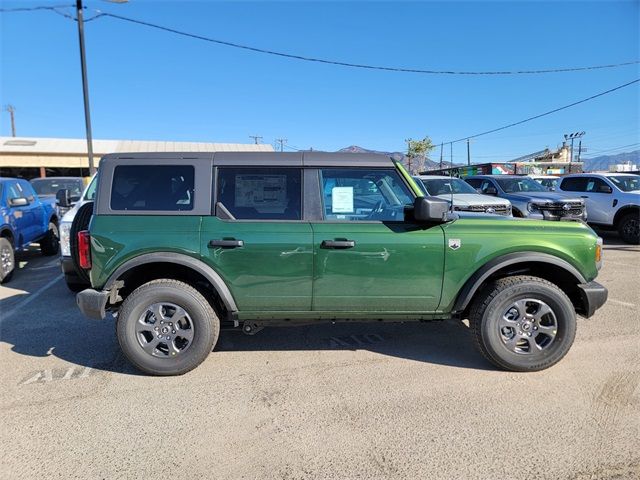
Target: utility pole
<point>441,149</point>
<point>468,153</point>
<point>12,111</point>
<point>281,141</point>
<point>256,138</point>
<point>572,137</point>
<point>451,145</point>
<point>85,86</point>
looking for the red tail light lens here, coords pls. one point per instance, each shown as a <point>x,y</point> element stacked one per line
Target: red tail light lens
<point>84,249</point>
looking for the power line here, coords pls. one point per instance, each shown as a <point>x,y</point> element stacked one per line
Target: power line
<point>360,65</point>
<point>598,152</point>
<point>33,9</point>
<point>545,113</point>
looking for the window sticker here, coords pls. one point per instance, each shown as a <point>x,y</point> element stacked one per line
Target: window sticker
<point>342,200</point>
<point>261,191</point>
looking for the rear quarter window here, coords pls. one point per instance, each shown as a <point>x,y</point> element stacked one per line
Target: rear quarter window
<point>153,188</point>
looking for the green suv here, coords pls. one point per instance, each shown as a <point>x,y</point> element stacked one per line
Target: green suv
<point>180,245</point>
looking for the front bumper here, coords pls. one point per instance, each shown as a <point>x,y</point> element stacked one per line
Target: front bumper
<point>93,303</point>
<point>593,296</point>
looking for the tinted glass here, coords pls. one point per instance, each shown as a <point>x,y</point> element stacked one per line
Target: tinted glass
<point>474,182</point>
<point>522,184</point>
<point>596,185</point>
<point>359,194</point>
<point>261,193</point>
<point>91,189</point>
<point>152,187</point>
<point>50,186</point>
<point>574,184</point>
<point>441,186</point>
<point>626,183</point>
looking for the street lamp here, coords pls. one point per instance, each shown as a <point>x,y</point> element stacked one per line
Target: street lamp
<point>85,84</point>
<point>572,137</point>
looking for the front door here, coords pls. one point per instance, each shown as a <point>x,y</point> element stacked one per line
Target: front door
<point>367,258</point>
<point>258,242</point>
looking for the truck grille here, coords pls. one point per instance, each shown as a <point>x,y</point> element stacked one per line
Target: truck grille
<point>497,209</point>
<point>563,209</point>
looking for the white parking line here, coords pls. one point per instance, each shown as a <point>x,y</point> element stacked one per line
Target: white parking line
<point>29,299</point>
<point>624,304</point>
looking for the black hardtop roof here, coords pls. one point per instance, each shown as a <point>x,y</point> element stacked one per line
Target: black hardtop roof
<point>267,159</point>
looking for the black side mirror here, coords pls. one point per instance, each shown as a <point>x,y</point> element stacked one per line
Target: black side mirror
<point>63,198</point>
<point>430,209</point>
<point>18,202</point>
<point>605,189</point>
<point>491,191</point>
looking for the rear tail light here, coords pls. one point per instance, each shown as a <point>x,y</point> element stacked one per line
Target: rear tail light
<point>84,249</point>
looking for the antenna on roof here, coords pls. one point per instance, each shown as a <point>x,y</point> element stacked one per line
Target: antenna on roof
<point>451,180</point>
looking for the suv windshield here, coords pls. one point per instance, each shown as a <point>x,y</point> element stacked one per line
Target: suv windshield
<point>522,184</point>
<point>626,183</point>
<point>442,186</point>
<point>91,189</point>
<point>50,186</point>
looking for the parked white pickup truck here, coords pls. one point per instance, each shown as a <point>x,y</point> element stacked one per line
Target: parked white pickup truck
<point>612,200</point>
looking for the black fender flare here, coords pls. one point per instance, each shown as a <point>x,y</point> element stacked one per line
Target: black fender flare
<point>179,259</point>
<point>477,279</point>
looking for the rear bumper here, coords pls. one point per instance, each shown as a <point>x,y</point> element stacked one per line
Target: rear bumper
<point>93,303</point>
<point>593,297</point>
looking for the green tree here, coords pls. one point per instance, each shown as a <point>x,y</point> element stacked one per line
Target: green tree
<point>417,154</point>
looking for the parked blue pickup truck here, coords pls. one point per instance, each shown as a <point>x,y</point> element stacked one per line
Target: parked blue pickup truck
<point>24,219</point>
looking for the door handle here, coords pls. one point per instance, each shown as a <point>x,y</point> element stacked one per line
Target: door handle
<point>338,244</point>
<point>229,243</point>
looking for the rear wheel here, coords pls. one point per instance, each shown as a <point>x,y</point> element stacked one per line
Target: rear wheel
<point>7,260</point>
<point>166,327</point>
<point>629,228</point>
<point>50,244</point>
<point>523,323</point>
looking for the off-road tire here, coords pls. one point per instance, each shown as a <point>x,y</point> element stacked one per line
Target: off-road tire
<point>6,249</point>
<point>206,326</point>
<point>80,223</point>
<point>487,308</point>
<point>629,228</point>
<point>50,243</point>
<point>74,285</point>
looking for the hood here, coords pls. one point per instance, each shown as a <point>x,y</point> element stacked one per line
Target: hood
<point>542,197</point>
<point>471,199</point>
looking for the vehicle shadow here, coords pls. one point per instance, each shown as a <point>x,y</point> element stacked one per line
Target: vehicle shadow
<point>612,241</point>
<point>51,326</point>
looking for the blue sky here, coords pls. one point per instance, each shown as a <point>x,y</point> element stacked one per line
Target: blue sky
<point>148,84</point>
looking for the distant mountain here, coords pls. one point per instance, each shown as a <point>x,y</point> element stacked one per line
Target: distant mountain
<point>398,156</point>
<point>602,162</point>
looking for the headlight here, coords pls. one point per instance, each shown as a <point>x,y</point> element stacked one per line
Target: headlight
<point>65,234</point>
<point>532,207</point>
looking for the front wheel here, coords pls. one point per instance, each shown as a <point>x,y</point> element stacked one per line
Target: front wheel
<point>629,228</point>
<point>50,244</point>
<point>523,323</point>
<point>166,327</point>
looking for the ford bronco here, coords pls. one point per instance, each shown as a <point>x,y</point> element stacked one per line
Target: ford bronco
<point>180,245</point>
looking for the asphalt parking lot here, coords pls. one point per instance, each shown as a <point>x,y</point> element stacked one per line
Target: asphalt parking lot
<point>329,401</point>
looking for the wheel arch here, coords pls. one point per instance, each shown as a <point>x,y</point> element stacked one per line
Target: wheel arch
<point>152,266</point>
<point>556,270</point>
<point>6,232</point>
<point>625,210</point>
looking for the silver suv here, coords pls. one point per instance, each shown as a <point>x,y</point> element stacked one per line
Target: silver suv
<point>613,200</point>
<point>529,198</point>
<point>465,198</point>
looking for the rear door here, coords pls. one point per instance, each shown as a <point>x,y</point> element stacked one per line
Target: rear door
<point>258,241</point>
<point>367,258</point>
<point>598,196</point>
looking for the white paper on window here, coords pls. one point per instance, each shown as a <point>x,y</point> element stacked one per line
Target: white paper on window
<point>342,199</point>
<point>261,191</point>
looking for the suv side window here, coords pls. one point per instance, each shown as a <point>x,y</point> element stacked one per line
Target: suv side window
<point>574,184</point>
<point>153,187</point>
<point>27,190</point>
<point>261,193</point>
<point>474,182</point>
<point>597,185</point>
<point>358,194</point>
<point>486,184</point>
